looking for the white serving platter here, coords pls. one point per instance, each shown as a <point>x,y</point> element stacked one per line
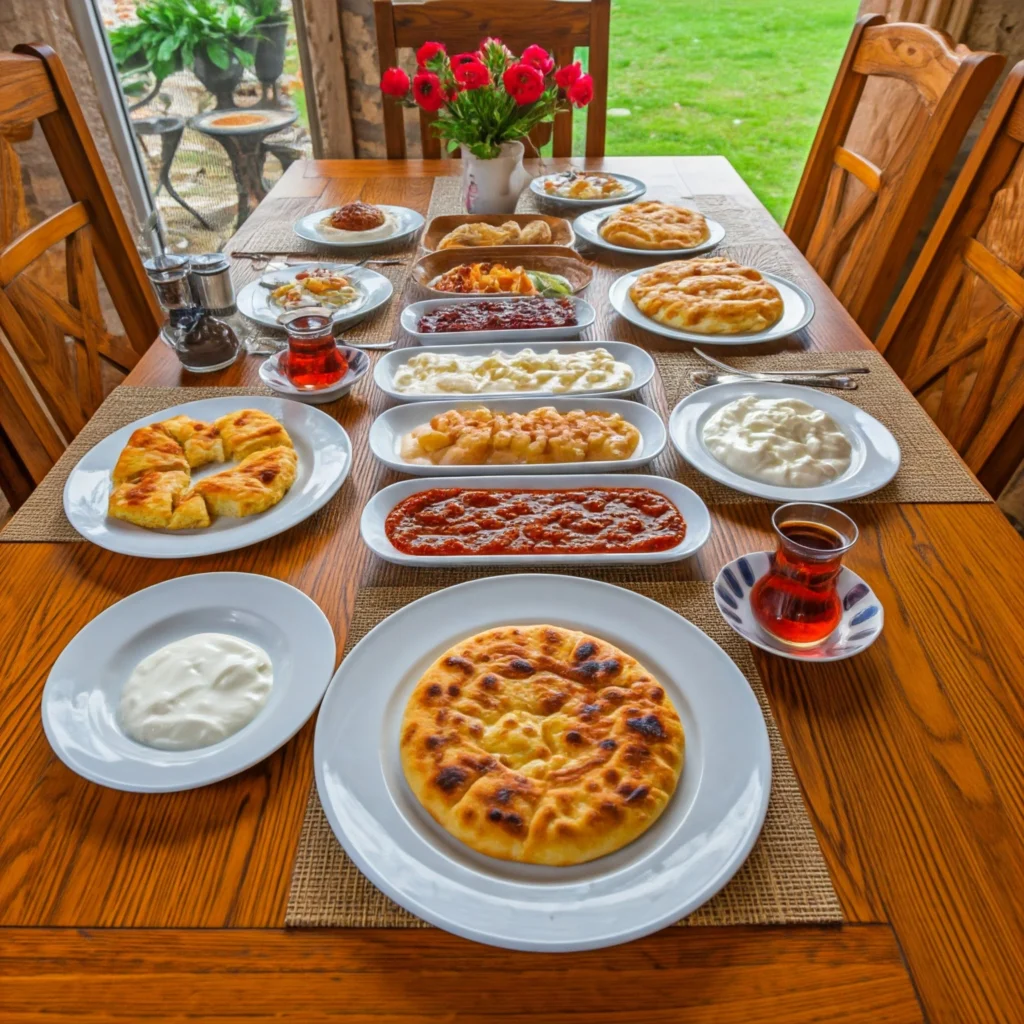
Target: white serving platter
<point>636,189</point>
<point>585,316</point>
<point>699,842</point>
<point>636,358</point>
<point>408,222</point>
<point>588,227</point>
<point>798,309</point>
<point>325,458</point>
<point>874,460</point>
<point>694,511</point>
<point>80,705</point>
<point>388,428</point>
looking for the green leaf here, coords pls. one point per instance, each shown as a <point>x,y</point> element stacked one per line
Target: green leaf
<point>218,55</point>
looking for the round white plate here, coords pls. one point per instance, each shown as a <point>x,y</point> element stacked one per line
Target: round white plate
<point>636,189</point>
<point>274,377</point>
<point>587,226</point>
<point>691,851</point>
<point>873,462</point>
<point>585,316</point>
<point>798,309</point>
<point>694,511</point>
<point>83,692</point>
<point>638,360</point>
<point>374,291</point>
<point>325,458</point>
<point>388,428</point>
<point>860,626</point>
<point>407,222</point>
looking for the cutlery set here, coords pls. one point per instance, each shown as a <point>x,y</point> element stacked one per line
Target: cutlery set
<point>838,379</point>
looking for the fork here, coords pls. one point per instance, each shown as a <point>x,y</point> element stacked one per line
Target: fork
<point>777,374</point>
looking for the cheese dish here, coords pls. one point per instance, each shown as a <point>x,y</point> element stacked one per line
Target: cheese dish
<point>654,225</point>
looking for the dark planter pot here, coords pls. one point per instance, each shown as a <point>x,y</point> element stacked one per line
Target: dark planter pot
<point>221,81</point>
<point>270,46</point>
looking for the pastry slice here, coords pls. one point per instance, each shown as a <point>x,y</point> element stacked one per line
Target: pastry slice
<point>257,483</point>
<point>190,513</point>
<point>201,441</point>
<point>537,232</point>
<point>148,501</point>
<point>251,430</point>
<point>149,449</point>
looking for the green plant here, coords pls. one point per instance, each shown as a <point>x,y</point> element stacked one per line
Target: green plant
<point>170,32</point>
<point>263,10</point>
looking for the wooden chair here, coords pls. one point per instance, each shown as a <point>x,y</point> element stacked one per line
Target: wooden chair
<point>50,366</point>
<point>954,334</point>
<point>856,215</point>
<point>557,25</point>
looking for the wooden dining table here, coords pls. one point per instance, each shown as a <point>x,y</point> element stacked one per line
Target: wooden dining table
<point>131,907</point>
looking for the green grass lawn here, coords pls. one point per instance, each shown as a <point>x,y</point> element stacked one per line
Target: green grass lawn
<point>744,78</point>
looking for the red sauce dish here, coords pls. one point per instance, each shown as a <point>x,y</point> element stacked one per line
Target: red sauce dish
<point>583,521</point>
<point>499,315</point>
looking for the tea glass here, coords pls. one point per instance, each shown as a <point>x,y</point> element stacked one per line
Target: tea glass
<point>313,359</point>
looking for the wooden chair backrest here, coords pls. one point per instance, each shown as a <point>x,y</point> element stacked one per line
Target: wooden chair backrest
<point>954,334</point>
<point>48,398</point>
<point>557,25</point>
<point>854,220</point>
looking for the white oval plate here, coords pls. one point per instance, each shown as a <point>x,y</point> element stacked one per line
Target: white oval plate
<point>83,692</point>
<point>585,316</point>
<point>587,226</point>
<point>408,222</point>
<point>797,311</point>
<point>638,360</point>
<point>688,854</point>
<point>873,462</point>
<point>694,511</point>
<point>388,428</point>
<point>325,458</point>
<point>636,190</point>
<point>374,291</point>
<point>272,375</point>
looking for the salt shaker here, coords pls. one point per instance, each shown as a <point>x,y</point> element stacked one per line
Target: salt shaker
<point>169,277</point>
<point>210,278</point>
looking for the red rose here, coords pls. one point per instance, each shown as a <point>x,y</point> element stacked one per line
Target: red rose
<point>427,52</point>
<point>471,74</point>
<point>581,92</point>
<point>394,82</point>
<point>427,91</point>
<point>567,76</point>
<point>523,83</point>
<point>539,58</point>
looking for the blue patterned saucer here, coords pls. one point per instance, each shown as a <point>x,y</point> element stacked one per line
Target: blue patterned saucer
<point>858,629</point>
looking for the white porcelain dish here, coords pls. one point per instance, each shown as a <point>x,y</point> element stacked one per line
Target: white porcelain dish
<point>694,511</point>
<point>374,291</point>
<point>585,316</point>
<point>83,692</point>
<point>873,463</point>
<point>636,188</point>
<point>636,358</point>
<point>588,227</point>
<point>798,309</point>
<point>274,377</point>
<point>407,222</point>
<point>694,848</point>
<point>325,458</point>
<point>388,428</point>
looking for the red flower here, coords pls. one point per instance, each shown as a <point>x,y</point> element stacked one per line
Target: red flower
<point>427,91</point>
<point>523,83</point>
<point>470,74</point>
<point>567,76</point>
<point>427,52</point>
<point>539,58</point>
<point>394,82</point>
<point>581,92</point>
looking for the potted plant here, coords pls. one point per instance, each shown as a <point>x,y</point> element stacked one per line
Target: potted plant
<point>485,103</point>
<point>271,38</point>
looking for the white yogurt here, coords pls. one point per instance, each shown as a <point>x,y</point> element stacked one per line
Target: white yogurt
<point>196,692</point>
<point>386,230</point>
<point>781,441</point>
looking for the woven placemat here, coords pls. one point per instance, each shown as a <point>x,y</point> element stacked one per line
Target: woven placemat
<point>930,470</point>
<point>783,881</point>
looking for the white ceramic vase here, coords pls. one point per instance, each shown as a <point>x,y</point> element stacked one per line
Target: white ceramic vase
<point>493,186</point>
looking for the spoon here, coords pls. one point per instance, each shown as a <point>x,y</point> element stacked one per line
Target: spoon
<point>705,379</point>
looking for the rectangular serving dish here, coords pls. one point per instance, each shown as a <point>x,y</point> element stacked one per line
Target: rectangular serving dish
<point>562,233</point>
<point>551,259</point>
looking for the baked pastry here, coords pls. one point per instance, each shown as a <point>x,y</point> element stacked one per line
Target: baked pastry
<point>149,500</point>
<point>541,744</point>
<point>709,295</point>
<point>190,513</point>
<point>357,216</point>
<point>250,430</point>
<point>149,448</point>
<point>655,225</point>
<point>201,441</point>
<point>476,233</point>
<point>537,232</point>
<point>257,483</point>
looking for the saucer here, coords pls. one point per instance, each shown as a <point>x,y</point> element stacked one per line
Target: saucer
<point>859,627</point>
<point>273,376</point>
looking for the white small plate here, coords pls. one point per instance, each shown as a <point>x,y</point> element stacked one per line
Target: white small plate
<point>873,462</point>
<point>699,842</point>
<point>83,692</point>
<point>636,189</point>
<point>860,626</point>
<point>325,458</point>
<point>798,309</point>
<point>694,511</point>
<point>636,358</point>
<point>389,427</point>
<point>374,291</point>
<point>274,377</point>
<point>407,222</point>
<point>585,316</point>
<point>587,226</point>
